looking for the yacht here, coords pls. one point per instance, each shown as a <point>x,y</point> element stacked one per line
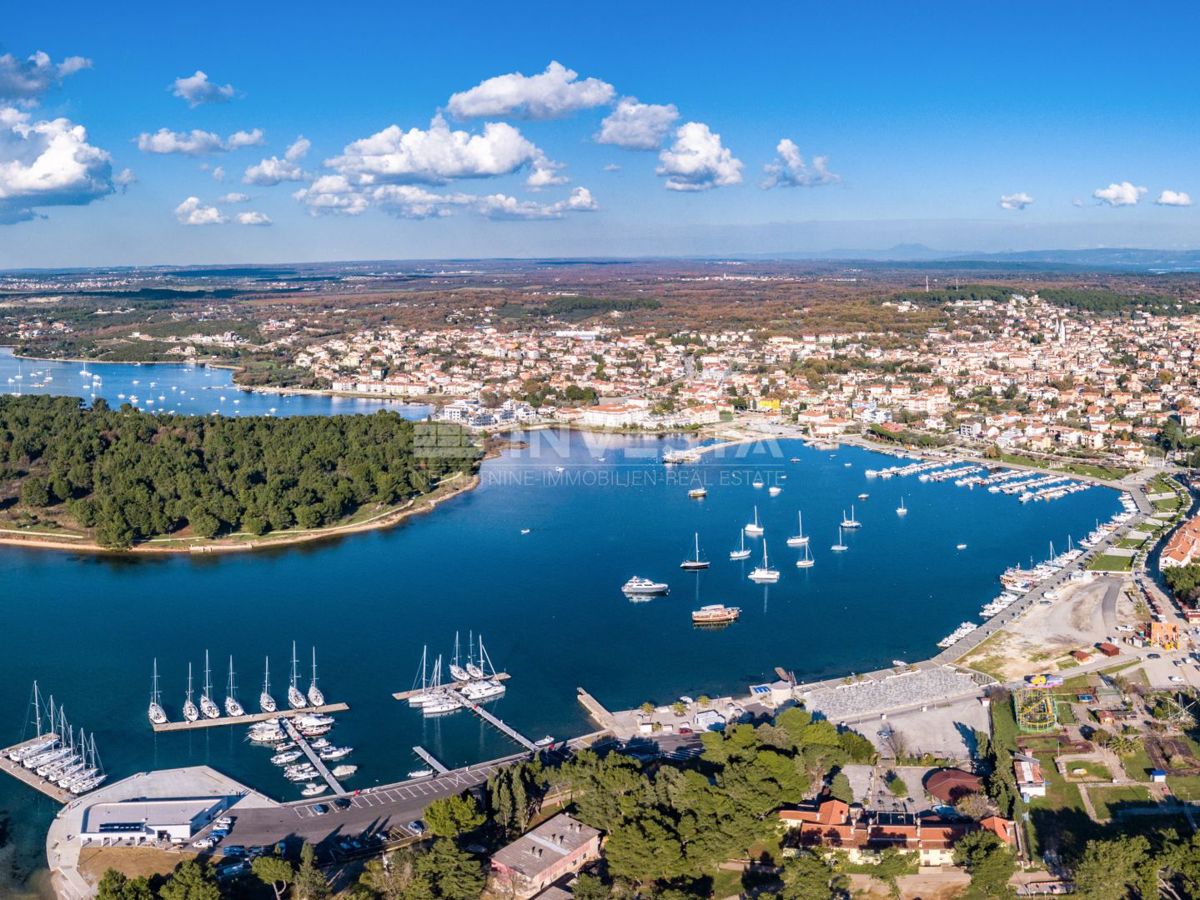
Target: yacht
<point>485,663</point>
<point>285,757</point>
<point>840,545</point>
<point>265,701</point>
<point>295,697</point>
<point>334,753</point>
<point>764,574</point>
<point>754,529</point>
<point>698,493</point>
<point>457,672</point>
<point>902,510</point>
<point>850,522</point>
<point>743,552</point>
<point>443,703</point>
<point>695,562</point>
<point>156,713</point>
<point>806,561</point>
<point>232,707</point>
<point>799,539</point>
<point>190,712</point>
<point>715,614</point>
<point>208,708</point>
<point>315,697</point>
<point>774,490</point>
<point>644,587</point>
<point>482,691</point>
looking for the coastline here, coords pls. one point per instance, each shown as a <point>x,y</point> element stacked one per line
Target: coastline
<point>387,519</point>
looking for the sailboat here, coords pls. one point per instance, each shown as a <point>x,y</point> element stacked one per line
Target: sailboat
<point>850,522</point>
<point>457,672</point>
<point>754,529</point>
<point>696,562</point>
<point>476,671</point>
<point>208,708</point>
<point>440,700</point>
<point>902,510</point>
<point>806,561</point>
<point>190,712</point>
<point>419,697</point>
<point>315,697</point>
<point>764,574</point>
<point>295,698</point>
<point>743,552</point>
<point>156,713</point>
<point>799,539</point>
<point>265,701</point>
<point>232,707</point>
<point>840,545</point>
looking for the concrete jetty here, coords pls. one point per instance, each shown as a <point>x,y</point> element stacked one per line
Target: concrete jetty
<point>318,763</point>
<point>30,778</point>
<point>430,760</point>
<point>251,717</point>
<point>502,726</point>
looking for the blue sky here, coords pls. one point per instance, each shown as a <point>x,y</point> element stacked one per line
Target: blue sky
<point>926,116</point>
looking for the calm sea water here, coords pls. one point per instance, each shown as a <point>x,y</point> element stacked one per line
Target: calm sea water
<point>548,603</point>
<point>169,387</point>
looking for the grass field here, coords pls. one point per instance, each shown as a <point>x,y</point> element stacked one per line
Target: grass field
<point>1104,799</point>
<point>1108,563</point>
<point>1093,771</point>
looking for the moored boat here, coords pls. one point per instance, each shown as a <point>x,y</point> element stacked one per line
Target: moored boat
<point>715,614</point>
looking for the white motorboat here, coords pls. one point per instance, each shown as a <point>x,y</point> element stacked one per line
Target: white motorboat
<point>233,709</point>
<point>799,539</point>
<point>190,712</point>
<point>156,713</point>
<point>698,493</point>
<point>313,789</point>
<point>742,552</point>
<point>695,563</point>
<point>288,756</point>
<point>315,697</point>
<point>295,697</point>
<point>637,586</point>
<point>420,773</point>
<point>265,701</point>
<point>344,771</point>
<point>756,483</point>
<point>208,708</point>
<point>754,529</point>
<point>330,754</point>
<point>482,691</point>
<point>764,574</point>
<point>444,703</point>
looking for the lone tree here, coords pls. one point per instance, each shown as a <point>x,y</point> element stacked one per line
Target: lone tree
<point>310,881</point>
<point>275,871</point>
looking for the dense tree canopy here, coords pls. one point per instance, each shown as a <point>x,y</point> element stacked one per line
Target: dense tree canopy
<point>131,475</point>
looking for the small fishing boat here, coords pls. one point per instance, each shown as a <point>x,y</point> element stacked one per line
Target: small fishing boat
<point>715,614</point>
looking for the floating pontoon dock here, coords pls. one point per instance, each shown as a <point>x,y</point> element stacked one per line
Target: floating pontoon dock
<point>30,778</point>
<point>429,759</point>
<point>253,717</point>
<point>318,763</point>
<point>455,686</point>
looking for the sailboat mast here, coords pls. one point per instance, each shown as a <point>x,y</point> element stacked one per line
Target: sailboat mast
<point>267,675</point>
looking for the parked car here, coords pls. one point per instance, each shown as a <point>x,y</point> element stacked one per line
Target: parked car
<point>320,809</point>
<point>416,826</point>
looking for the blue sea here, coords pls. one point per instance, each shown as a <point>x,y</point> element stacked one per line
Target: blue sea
<point>532,560</point>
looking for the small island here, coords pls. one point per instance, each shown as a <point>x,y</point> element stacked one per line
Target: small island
<point>118,479</point>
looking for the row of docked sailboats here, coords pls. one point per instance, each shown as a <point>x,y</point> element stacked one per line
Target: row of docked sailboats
<point>208,708</point>
<point>474,681</point>
<point>59,754</point>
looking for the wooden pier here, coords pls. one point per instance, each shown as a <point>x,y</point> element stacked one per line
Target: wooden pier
<point>318,763</point>
<point>454,686</point>
<point>31,778</point>
<point>251,718</point>
<point>501,725</point>
<point>430,760</point>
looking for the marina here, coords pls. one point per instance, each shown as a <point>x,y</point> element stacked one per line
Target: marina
<point>249,718</point>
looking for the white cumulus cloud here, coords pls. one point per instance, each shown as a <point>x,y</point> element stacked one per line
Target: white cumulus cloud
<point>1019,200</point>
<point>196,142</point>
<point>1123,194</point>
<point>554,93</point>
<point>789,169</point>
<point>197,89</point>
<point>253,218</point>
<point>25,80</point>
<point>48,163</point>
<point>274,170</point>
<point>501,206</point>
<point>233,197</point>
<point>637,126</point>
<point>193,212</point>
<point>436,155</point>
<point>1174,198</point>
<point>546,173</point>
<point>697,161</point>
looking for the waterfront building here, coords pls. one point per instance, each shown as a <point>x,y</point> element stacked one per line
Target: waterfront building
<point>558,847</point>
<point>148,821</point>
